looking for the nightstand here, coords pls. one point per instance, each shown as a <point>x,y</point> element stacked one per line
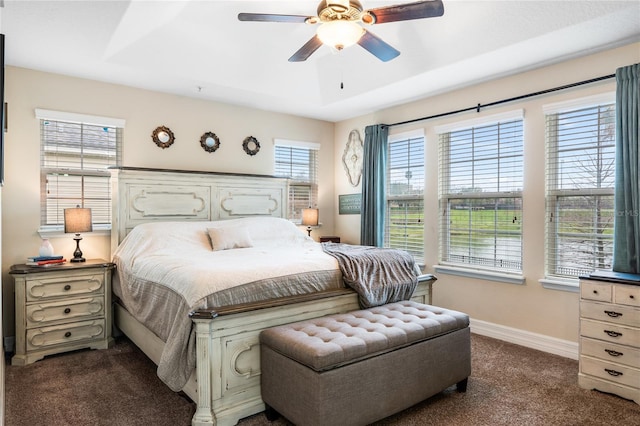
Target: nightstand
<point>61,308</point>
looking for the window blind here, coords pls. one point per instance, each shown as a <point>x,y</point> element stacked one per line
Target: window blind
<point>74,160</point>
<point>481,179</point>
<point>300,164</point>
<point>580,181</point>
<point>405,196</point>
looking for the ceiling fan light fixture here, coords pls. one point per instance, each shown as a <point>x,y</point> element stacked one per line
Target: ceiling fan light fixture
<point>339,33</point>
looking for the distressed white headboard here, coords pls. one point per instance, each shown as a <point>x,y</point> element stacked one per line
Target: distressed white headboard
<point>141,195</point>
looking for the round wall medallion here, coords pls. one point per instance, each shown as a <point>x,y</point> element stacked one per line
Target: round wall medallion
<point>251,145</point>
<point>163,137</point>
<point>209,142</point>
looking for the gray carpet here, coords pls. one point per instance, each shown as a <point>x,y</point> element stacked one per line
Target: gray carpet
<point>509,385</point>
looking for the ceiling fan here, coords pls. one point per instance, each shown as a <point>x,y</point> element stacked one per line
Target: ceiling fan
<point>340,24</point>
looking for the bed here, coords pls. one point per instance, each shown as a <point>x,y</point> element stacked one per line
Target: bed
<point>205,341</point>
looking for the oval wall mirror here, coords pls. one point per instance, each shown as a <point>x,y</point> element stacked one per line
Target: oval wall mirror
<point>251,145</point>
<point>163,137</point>
<point>209,142</point>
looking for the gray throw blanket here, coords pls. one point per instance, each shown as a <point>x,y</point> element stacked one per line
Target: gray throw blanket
<point>378,275</point>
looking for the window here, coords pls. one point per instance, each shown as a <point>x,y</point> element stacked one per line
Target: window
<point>298,161</point>
<point>580,183</point>
<point>481,176</point>
<point>404,228</point>
<point>75,154</point>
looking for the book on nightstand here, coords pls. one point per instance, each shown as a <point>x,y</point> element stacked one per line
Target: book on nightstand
<point>45,260</point>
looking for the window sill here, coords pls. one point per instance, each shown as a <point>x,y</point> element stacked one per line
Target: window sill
<point>58,231</point>
<point>480,274</point>
<point>560,284</point>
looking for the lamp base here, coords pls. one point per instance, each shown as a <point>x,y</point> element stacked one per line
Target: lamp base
<point>77,254</point>
<point>309,230</point>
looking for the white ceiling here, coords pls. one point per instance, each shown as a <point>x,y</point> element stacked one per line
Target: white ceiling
<point>199,48</point>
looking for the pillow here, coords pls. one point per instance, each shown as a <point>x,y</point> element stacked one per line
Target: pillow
<point>229,238</point>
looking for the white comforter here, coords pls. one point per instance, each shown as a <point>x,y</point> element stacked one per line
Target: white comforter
<point>180,255</point>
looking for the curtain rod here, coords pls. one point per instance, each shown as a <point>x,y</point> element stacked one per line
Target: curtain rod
<point>502,101</point>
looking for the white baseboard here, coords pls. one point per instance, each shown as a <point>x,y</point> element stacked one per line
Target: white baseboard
<point>564,348</point>
<point>9,344</point>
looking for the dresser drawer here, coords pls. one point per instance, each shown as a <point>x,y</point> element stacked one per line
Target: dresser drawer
<point>43,337</point>
<point>609,371</point>
<point>592,290</point>
<point>627,295</point>
<point>616,314</point>
<point>49,287</point>
<point>39,314</point>
<point>614,333</point>
<point>610,352</point>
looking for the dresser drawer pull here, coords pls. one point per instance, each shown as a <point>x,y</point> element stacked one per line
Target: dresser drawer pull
<point>613,314</point>
<point>613,333</point>
<point>67,310</point>
<point>67,287</point>
<point>613,353</point>
<point>67,334</point>
<point>613,373</point>
<point>595,291</point>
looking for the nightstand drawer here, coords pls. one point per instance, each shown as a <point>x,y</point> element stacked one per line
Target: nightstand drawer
<point>62,286</point>
<point>614,333</point>
<point>43,337</point>
<point>616,314</point>
<point>610,352</point>
<point>592,290</point>
<point>38,314</point>
<point>609,371</point>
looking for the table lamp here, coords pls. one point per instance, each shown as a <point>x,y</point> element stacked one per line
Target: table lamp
<point>309,218</point>
<point>77,220</point>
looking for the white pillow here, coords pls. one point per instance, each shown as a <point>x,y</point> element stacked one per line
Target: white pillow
<point>229,238</point>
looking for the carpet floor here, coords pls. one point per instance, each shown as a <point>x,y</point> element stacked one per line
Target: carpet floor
<point>509,385</point>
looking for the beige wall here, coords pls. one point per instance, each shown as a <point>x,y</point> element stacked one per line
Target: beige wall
<point>143,111</point>
<point>527,307</point>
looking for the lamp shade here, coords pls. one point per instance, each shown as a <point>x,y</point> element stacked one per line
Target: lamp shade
<point>310,217</point>
<point>77,220</point>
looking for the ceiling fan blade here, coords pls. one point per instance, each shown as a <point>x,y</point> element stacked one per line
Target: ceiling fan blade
<point>307,50</point>
<point>377,47</point>
<point>266,17</point>
<point>405,12</point>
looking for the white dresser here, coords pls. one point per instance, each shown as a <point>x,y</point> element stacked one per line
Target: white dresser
<point>610,337</point>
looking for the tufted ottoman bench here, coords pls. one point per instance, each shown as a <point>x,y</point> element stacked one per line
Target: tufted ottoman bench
<point>362,366</point>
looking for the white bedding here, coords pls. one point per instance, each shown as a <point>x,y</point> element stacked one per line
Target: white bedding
<point>180,255</point>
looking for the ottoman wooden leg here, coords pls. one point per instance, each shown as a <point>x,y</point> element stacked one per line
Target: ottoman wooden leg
<point>461,386</point>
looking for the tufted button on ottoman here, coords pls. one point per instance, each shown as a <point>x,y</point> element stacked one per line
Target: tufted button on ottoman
<point>362,366</point>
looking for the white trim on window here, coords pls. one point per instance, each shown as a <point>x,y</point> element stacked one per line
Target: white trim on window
<point>72,117</point>
<point>586,102</point>
<point>517,114</point>
<point>297,144</point>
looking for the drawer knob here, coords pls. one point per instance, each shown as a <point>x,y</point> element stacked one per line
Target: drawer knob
<point>631,296</point>
<point>613,314</point>
<point>595,291</point>
<point>67,334</point>
<point>67,310</point>
<point>613,353</point>
<point>613,373</point>
<point>67,287</point>
<point>613,333</point>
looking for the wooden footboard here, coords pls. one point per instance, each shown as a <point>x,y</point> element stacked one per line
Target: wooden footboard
<point>228,352</point>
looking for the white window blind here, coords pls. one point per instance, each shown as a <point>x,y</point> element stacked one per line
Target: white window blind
<point>73,168</point>
<point>298,162</point>
<point>481,179</point>
<point>579,189</point>
<point>405,196</point>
